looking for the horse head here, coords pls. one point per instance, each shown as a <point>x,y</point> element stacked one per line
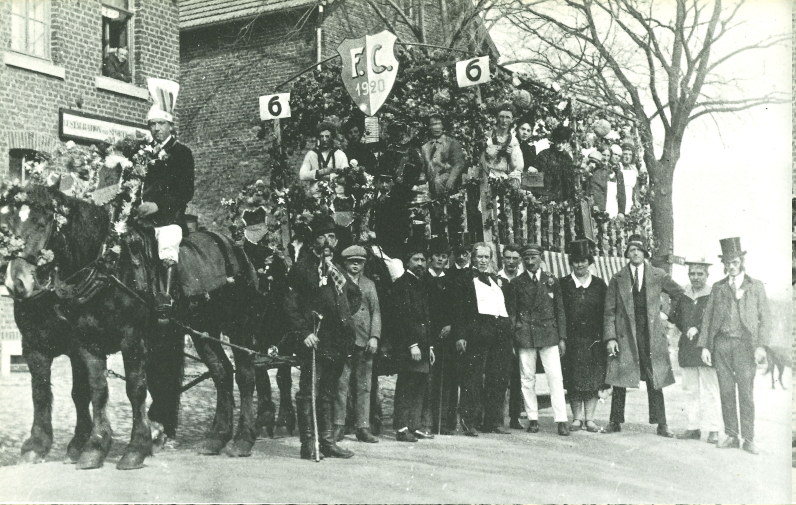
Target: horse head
<point>58,232</point>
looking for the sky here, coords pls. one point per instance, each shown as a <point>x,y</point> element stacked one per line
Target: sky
<point>734,178</point>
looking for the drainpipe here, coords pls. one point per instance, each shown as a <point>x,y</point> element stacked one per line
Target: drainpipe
<point>319,35</point>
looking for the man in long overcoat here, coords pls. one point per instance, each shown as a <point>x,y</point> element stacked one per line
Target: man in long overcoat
<point>736,321</point>
<point>636,343</point>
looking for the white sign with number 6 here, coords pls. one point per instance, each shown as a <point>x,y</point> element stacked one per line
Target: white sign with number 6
<point>472,72</point>
<point>274,106</point>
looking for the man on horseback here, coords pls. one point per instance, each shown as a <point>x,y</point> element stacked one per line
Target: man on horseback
<point>320,306</point>
<point>167,189</point>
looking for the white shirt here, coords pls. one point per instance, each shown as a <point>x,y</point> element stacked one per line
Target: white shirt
<point>738,279</point>
<point>533,275</point>
<point>432,273</point>
<point>490,299</point>
<point>503,273</point>
<point>579,284</point>
<point>312,164</point>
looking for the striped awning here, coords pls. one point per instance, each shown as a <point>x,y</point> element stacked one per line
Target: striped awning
<point>604,266</point>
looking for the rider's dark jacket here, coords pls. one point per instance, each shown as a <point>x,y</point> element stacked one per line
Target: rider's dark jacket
<point>169,183</point>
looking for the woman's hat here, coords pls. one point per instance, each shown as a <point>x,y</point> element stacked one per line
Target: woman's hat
<point>579,251</point>
<point>637,241</point>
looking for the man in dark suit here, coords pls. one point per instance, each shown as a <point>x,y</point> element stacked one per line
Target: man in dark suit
<point>414,346</point>
<point>320,308</point>
<point>168,187</point>
<point>540,329</point>
<point>735,323</point>
<point>482,328</point>
<point>636,343</point>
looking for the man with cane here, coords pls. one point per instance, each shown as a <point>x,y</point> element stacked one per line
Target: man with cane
<point>319,293</point>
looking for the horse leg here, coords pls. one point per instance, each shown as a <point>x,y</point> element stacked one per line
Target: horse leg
<point>81,396</point>
<point>241,445</point>
<point>220,369</point>
<point>287,414</point>
<point>99,443</point>
<point>140,446</point>
<point>164,370</point>
<point>38,445</point>
<point>266,408</point>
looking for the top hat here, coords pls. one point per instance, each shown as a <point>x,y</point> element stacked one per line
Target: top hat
<point>638,241</point>
<point>438,245</point>
<point>731,248</point>
<point>320,224</point>
<point>579,251</point>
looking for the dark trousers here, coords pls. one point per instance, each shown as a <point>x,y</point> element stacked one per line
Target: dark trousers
<point>164,371</point>
<point>411,392</point>
<point>444,394</point>
<point>328,371</point>
<point>515,389</point>
<point>734,359</point>
<point>485,373</point>
<point>657,407</point>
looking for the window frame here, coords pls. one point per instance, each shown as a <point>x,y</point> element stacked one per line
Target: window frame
<point>129,14</point>
<point>46,21</point>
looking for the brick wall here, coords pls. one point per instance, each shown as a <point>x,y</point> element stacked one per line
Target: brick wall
<point>29,101</point>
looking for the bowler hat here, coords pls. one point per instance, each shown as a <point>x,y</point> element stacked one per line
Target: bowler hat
<point>354,252</point>
<point>530,249</point>
<point>579,251</point>
<point>320,224</point>
<point>637,241</point>
<point>731,248</point>
<point>438,245</point>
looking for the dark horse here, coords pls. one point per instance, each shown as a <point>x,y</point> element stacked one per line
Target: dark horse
<point>107,316</point>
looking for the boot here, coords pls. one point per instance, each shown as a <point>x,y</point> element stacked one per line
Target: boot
<point>305,430</point>
<point>163,300</point>
<point>329,447</point>
<point>338,432</point>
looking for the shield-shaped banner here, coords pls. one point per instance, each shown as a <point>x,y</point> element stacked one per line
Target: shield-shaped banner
<point>369,69</point>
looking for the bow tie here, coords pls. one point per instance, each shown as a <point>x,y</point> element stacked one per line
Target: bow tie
<point>484,277</point>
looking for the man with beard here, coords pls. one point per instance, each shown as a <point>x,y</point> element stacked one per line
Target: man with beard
<point>414,346</point>
<point>320,307</point>
<point>735,323</point>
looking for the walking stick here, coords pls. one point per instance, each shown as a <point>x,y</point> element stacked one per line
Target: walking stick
<point>314,384</point>
<point>441,380</point>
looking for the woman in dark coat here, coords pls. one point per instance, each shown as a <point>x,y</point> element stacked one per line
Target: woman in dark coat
<point>584,363</point>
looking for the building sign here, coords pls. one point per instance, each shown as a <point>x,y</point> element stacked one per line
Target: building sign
<point>369,69</point>
<point>93,128</point>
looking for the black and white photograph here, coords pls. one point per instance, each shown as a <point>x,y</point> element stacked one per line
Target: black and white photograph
<point>396,251</point>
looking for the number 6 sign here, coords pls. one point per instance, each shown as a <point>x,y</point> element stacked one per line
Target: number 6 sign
<point>472,72</point>
<point>274,106</point>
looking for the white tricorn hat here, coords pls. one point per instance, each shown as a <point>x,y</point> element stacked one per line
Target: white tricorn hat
<point>164,94</point>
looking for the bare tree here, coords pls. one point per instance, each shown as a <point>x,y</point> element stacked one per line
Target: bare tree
<point>657,62</point>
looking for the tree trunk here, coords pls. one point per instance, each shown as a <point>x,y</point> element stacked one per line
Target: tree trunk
<point>662,210</point>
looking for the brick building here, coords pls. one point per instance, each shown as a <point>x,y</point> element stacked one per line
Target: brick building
<point>234,51</point>
<point>76,70</point>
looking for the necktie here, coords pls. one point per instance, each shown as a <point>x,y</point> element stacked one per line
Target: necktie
<point>636,281</point>
<point>733,286</point>
<point>484,277</point>
<point>534,279</point>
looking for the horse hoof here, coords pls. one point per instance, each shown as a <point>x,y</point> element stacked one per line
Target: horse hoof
<point>131,461</point>
<point>238,449</point>
<point>90,460</point>
<point>72,456</point>
<point>210,447</point>
<point>31,457</point>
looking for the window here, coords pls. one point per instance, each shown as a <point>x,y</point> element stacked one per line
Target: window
<point>17,158</point>
<point>30,27</point>
<point>116,28</point>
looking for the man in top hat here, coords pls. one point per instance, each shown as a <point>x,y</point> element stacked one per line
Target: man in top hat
<point>367,322</point>
<point>557,166</point>
<point>540,329</point>
<point>168,187</point>
<point>414,344</point>
<point>736,322</point>
<point>699,381</point>
<point>320,308</point>
<point>482,328</point>
<point>637,346</point>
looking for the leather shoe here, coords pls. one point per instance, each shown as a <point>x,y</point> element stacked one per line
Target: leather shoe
<point>405,436</point>
<point>335,451</point>
<point>713,437</point>
<point>363,435</point>
<point>664,431</point>
<point>729,443</point>
<point>563,429</point>
<point>690,435</point>
<point>308,451</point>
<point>420,435</point>
<point>515,424</point>
<point>533,427</point>
<point>499,430</point>
<point>612,427</point>
<point>750,447</point>
<point>338,432</point>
